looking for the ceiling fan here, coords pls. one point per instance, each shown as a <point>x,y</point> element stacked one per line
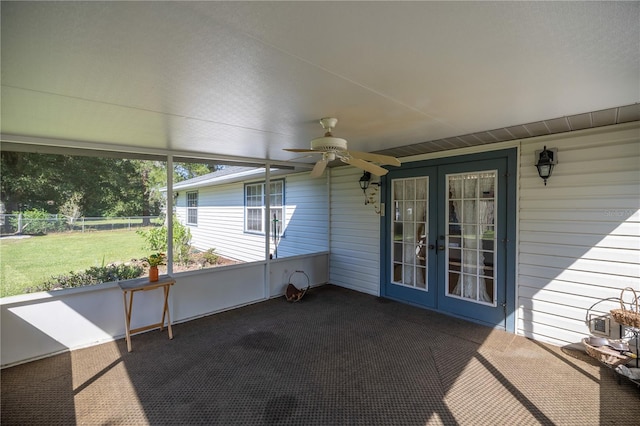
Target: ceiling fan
<point>331,148</point>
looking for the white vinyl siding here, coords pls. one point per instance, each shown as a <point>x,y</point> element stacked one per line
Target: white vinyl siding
<point>355,234</point>
<point>221,217</point>
<point>222,220</point>
<point>579,237</point>
<point>306,224</point>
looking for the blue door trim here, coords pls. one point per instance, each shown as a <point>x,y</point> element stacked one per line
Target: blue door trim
<point>412,169</point>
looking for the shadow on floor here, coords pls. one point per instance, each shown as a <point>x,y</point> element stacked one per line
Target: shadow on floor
<point>337,357</point>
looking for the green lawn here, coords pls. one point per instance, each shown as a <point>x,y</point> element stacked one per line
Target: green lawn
<point>29,261</point>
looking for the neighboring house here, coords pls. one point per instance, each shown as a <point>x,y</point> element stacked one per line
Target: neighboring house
<point>226,210</point>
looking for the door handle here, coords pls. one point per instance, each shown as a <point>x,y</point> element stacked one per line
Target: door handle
<point>437,248</point>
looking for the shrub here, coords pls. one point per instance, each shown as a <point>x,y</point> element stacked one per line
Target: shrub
<point>210,256</point>
<point>91,276</point>
<point>156,240</point>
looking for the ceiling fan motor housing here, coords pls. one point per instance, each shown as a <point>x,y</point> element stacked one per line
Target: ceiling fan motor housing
<point>329,143</point>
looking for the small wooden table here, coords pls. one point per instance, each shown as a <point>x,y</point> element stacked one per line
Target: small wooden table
<point>143,284</point>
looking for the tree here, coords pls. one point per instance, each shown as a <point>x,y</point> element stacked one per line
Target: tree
<point>28,181</point>
<point>94,186</point>
<point>186,171</point>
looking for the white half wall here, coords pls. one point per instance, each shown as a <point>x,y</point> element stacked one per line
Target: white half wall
<point>42,324</point>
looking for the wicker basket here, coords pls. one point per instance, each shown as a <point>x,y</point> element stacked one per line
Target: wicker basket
<point>605,354</point>
<point>628,317</point>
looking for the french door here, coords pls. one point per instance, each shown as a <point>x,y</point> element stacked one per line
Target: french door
<point>445,237</point>
<point>413,227</point>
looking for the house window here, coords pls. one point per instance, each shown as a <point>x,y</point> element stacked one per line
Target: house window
<point>192,208</point>
<point>255,207</point>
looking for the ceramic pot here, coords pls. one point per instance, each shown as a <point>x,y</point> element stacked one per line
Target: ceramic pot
<point>153,273</point>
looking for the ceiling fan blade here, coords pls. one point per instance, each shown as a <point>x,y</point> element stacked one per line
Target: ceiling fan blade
<point>319,168</point>
<point>377,158</point>
<point>301,150</point>
<point>302,156</point>
<point>364,165</point>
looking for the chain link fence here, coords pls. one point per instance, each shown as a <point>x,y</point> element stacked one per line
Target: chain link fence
<point>16,224</point>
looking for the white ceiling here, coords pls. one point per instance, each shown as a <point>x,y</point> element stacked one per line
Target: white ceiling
<point>249,79</point>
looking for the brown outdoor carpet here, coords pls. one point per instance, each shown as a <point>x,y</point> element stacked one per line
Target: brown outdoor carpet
<point>338,357</point>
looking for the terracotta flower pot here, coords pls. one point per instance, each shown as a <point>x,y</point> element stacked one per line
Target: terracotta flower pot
<point>153,273</point>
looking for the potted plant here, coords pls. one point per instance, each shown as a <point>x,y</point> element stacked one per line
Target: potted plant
<point>154,261</point>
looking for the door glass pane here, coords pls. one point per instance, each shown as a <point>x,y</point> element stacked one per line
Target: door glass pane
<point>421,281</point>
<point>470,186</point>
<point>469,215</point>
<point>397,252</point>
<point>399,211</point>
<point>471,238</point>
<point>409,254</point>
<point>410,224</point>
<point>409,207</point>
<point>398,191</point>
<point>421,212</point>
<point>408,275</point>
<point>410,189</point>
<point>454,287</point>
<point>397,232</point>
<point>397,272</point>
<point>455,189</point>
<point>421,189</point>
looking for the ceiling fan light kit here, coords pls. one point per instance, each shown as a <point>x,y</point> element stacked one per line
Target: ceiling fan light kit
<point>331,148</point>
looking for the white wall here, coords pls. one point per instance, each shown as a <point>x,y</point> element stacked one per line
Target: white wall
<point>579,237</point>
<point>221,220</point>
<point>37,325</point>
<point>355,234</point>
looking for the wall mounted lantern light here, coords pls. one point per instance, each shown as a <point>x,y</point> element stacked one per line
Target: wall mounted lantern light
<point>547,159</point>
<point>365,182</point>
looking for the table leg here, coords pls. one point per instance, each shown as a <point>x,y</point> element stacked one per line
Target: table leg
<point>166,311</point>
<point>164,307</point>
<point>127,318</point>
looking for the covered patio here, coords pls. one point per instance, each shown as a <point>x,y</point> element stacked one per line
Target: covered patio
<point>450,89</point>
<point>336,357</point>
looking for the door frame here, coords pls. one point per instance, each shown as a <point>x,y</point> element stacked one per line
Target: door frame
<point>509,245</point>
